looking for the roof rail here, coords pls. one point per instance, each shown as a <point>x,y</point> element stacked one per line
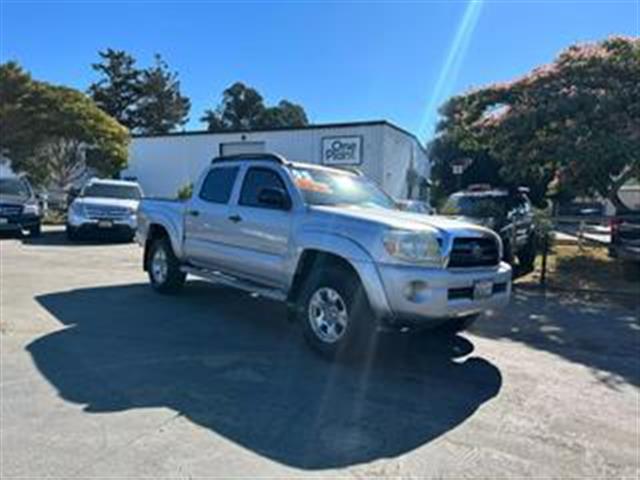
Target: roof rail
<point>271,157</point>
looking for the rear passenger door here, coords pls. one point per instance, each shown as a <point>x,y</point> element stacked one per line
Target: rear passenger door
<point>260,232</point>
<point>206,240</point>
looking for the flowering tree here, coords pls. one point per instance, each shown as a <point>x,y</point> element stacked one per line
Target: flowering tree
<point>573,124</point>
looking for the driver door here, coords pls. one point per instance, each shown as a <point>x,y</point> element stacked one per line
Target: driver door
<point>260,231</point>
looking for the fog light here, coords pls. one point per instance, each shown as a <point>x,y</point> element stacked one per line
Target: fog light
<point>415,289</point>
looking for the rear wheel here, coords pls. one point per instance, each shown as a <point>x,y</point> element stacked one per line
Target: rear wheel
<point>527,256</point>
<point>334,313</point>
<point>164,268</point>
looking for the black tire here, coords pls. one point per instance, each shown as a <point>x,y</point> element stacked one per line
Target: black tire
<point>507,252</point>
<point>457,325</point>
<point>35,231</point>
<point>358,336</point>
<point>631,271</point>
<point>527,256</point>
<point>72,233</point>
<point>169,281</point>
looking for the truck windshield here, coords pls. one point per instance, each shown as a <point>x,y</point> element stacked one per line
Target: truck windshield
<point>14,187</point>
<point>325,187</point>
<point>105,190</point>
<point>474,206</point>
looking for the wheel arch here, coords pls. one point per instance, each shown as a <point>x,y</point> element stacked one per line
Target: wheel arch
<point>356,261</point>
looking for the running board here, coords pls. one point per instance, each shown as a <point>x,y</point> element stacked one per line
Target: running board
<point>215,276</point>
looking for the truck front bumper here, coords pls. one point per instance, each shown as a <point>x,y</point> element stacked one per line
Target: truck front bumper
<point>19,222</point>
<point>97,227</point>
<point>424,297</point>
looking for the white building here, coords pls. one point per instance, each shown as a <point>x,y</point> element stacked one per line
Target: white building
<point>386,153</point>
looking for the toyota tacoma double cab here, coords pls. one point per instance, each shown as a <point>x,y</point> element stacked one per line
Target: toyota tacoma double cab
<point>328,242</point>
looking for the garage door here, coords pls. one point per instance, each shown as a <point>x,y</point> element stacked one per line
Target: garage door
<point>237,148</point>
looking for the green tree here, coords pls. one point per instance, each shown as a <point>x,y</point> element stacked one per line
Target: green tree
<point>54,133</point>
<point>243,108</point>
<point>161,107</point>
<point>573,124</point>
<point>117,92</point>
<point>285,114</point>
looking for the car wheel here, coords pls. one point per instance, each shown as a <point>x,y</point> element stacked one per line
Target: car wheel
<point>457,325</point>
<point>72,233</point>
<point>527,256</point>
<point>35,231</point>
<point>164,268</point>
<point>335,315</point>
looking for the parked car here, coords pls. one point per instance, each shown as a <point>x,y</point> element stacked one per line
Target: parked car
<point>19,206</point>
<point>328,242</point>
<point>104,207</point>
<point>509,213</point>
<point>625,238</point>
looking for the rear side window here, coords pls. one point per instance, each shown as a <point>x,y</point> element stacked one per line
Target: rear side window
<point>254,181</point>
<point>218,185</point>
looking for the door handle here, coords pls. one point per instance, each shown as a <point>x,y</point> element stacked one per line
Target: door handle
<point>194,213</point>
<point>235,218</point>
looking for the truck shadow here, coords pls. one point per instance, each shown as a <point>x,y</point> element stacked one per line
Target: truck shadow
<point>591,330</point>
<point>232,364</point>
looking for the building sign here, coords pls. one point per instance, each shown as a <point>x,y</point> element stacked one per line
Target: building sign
<point>342,150</point>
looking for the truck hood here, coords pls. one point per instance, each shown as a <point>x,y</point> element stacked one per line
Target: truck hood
<point>107,202</point>
<point>401,220</point>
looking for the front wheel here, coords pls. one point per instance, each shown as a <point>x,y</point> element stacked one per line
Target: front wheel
<point>164,268</point>
<point>35,231</point>
<point>334,312</point>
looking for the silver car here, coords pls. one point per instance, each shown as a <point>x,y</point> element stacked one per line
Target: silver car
<point>328,242</point>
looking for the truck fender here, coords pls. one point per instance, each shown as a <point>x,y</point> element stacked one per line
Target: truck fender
<point>174,232</point>
<point>355,255</point>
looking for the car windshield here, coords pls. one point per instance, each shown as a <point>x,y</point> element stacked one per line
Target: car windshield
<point>14,187</point>
<point>108,190</point>
<point>325,187</point>
<point>474,206</point>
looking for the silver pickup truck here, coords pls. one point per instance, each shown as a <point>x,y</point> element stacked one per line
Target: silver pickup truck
<point>328,242</point>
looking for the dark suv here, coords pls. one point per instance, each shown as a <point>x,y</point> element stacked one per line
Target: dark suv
<point>19,206</point>
<point>625,229</point>
<point>508,213</point>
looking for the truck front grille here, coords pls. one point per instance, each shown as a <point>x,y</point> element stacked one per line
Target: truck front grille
<point>106,213</point>
<point>7,210</point>
<point>474,252</point>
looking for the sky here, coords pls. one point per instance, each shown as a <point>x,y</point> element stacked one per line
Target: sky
<point>343,61</point>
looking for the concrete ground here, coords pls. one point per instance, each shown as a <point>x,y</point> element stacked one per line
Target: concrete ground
<point>101,377</point>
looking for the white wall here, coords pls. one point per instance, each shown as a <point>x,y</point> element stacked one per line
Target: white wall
<point>163,164</point>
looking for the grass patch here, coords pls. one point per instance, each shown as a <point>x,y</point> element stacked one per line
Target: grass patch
<point>589,268</point>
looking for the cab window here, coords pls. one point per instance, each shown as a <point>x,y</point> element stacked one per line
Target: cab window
<point>255,180</point>
<point>218,185</point>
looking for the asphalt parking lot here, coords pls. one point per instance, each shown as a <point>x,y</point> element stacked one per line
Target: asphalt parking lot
<point>102,377</point>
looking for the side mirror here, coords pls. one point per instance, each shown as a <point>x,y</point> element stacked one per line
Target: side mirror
<point>274,198</point>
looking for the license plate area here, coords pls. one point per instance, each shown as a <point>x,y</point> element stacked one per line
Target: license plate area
<point>482,289</point>
<point>105,224</point>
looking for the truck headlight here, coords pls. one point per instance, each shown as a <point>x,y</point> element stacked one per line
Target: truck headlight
<point>413,247</point>
<point>31,209</point>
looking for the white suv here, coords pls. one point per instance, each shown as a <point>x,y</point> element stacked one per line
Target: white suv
<point>105,207</point>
